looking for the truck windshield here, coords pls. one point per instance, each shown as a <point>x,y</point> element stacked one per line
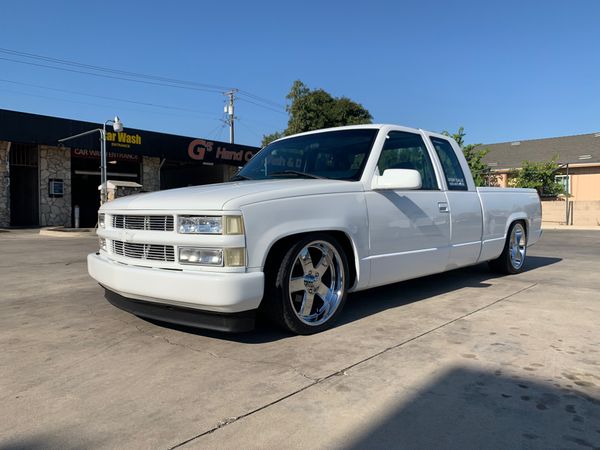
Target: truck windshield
<point>337,155</point>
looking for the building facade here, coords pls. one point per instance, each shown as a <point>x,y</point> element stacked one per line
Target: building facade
<point>579,160</point>
<point>42,182</point>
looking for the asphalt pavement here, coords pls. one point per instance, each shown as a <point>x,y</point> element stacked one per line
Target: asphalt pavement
<point>462,360</point>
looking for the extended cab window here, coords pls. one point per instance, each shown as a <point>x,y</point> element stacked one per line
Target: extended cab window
<point>455,177</point>
<point>407,151</point>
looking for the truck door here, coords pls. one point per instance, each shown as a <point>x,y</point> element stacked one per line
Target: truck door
<point>465,207</point>
<point>409,230</point>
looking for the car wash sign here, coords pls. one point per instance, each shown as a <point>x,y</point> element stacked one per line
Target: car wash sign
<point>123,139</point>
<point>219,152</point>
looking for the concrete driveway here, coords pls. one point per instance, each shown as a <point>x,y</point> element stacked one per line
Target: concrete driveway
<point>460,360</point>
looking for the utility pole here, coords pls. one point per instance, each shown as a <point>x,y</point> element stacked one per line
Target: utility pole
<point>230,113</point>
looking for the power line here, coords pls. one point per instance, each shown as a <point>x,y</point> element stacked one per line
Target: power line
<point>252,130</point>
<point>262,106</point>
<point>64,69</point>
<point>215,129</point>
<point>157,80</point>
<point>28,94</point>
<point>110,70</point>
<point>221,132</point>
<point>261,99</point>
<point>156,105</point>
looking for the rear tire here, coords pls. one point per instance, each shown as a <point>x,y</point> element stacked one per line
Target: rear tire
<point>308,288</point>
<point>512,258</point>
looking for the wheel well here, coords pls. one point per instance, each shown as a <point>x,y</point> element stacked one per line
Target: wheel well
<point>525,225</point>
<point>279,248</point>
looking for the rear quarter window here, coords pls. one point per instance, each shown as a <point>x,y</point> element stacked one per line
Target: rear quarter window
<point>455,177</point>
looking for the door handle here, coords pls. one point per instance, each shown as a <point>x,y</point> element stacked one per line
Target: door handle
<point>443,207</point>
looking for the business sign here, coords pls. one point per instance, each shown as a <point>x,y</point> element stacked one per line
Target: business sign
<point>209,151</point>
<point>123,139</point>
<point>110,156</point>
<point>127,145</point>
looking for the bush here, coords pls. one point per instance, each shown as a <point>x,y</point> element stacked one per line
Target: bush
<point>539,176</point>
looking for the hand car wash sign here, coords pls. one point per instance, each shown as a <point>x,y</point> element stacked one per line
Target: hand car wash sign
<point>202,150</point>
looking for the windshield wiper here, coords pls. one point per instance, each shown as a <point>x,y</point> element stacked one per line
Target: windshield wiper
<point>240,178</point>
<point>297,173</point>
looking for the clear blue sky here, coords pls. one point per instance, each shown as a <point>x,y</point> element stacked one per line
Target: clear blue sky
<point>504,70</point>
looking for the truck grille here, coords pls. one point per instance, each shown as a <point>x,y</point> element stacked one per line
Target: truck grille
<point>153,223</point>
<point>150,252</point>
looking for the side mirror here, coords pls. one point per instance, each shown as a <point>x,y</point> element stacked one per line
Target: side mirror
<point>398,179</point>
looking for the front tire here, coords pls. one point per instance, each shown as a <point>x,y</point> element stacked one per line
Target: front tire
<point>310,284</point>
<point>512,259</point>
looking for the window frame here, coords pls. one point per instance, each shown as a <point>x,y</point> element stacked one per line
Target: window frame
<point>449,187</point>
<point>565,181</point>
<point>427,151</point>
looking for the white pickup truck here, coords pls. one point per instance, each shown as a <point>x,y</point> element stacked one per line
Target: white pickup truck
<point>307,220</point>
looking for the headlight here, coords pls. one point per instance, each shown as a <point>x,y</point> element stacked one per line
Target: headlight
<point>201,256</point>
<point>229,257</point>
<point>101,218</point>
<point>200,225</point>
<point>102,243</point>
<point>210,225</point>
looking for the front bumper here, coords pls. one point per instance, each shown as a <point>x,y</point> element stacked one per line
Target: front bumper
<point>189,317</point>
<point>204,291</point>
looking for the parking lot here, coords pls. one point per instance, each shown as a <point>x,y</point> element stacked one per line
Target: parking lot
<point>462,360</point>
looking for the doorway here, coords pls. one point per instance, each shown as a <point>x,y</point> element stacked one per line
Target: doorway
<point>85,179</point>
<point>24,185</point>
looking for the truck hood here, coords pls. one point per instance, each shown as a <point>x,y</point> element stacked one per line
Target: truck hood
<point>229,196</point>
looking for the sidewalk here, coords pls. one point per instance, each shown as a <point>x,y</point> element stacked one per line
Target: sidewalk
<point>556,226</point>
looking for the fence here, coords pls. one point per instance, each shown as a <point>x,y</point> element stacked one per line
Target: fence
<point>581,213</point>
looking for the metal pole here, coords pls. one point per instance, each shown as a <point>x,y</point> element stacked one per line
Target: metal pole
<point>568,186</point>
<point>63,140</point>
<point>76,216</point>
<point>230,114</point>
<point>231,118</point>
<point>103,174</point>
<point>103,165</point>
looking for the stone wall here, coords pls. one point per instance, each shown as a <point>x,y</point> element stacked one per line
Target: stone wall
<point>55,162</point>
<point>4,185</point>
<point>150,174</point>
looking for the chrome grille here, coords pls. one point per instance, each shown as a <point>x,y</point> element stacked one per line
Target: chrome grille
<point>153,223</point>
<point>151,252</point>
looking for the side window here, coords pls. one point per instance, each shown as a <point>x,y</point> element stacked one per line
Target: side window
<point>455,177</point>
<point>407,151</point>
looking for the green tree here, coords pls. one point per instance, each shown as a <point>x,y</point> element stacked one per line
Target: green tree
<point>315,109</point>
<point>482,174</point>
<point>539,176</point>
<point>268,138</point>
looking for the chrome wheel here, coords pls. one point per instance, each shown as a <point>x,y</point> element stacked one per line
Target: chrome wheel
<point>517,246</point>
<point>316,283</point>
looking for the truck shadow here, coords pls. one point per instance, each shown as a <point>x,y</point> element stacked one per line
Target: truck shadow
<point>372,301</point>
<point>468,408</point>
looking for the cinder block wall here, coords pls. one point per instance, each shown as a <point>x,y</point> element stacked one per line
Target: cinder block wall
<point>584,213</point>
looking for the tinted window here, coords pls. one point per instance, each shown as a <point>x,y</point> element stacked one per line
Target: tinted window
<point>455,177</point>
<point>407,151</point>
<point>339,155</point>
